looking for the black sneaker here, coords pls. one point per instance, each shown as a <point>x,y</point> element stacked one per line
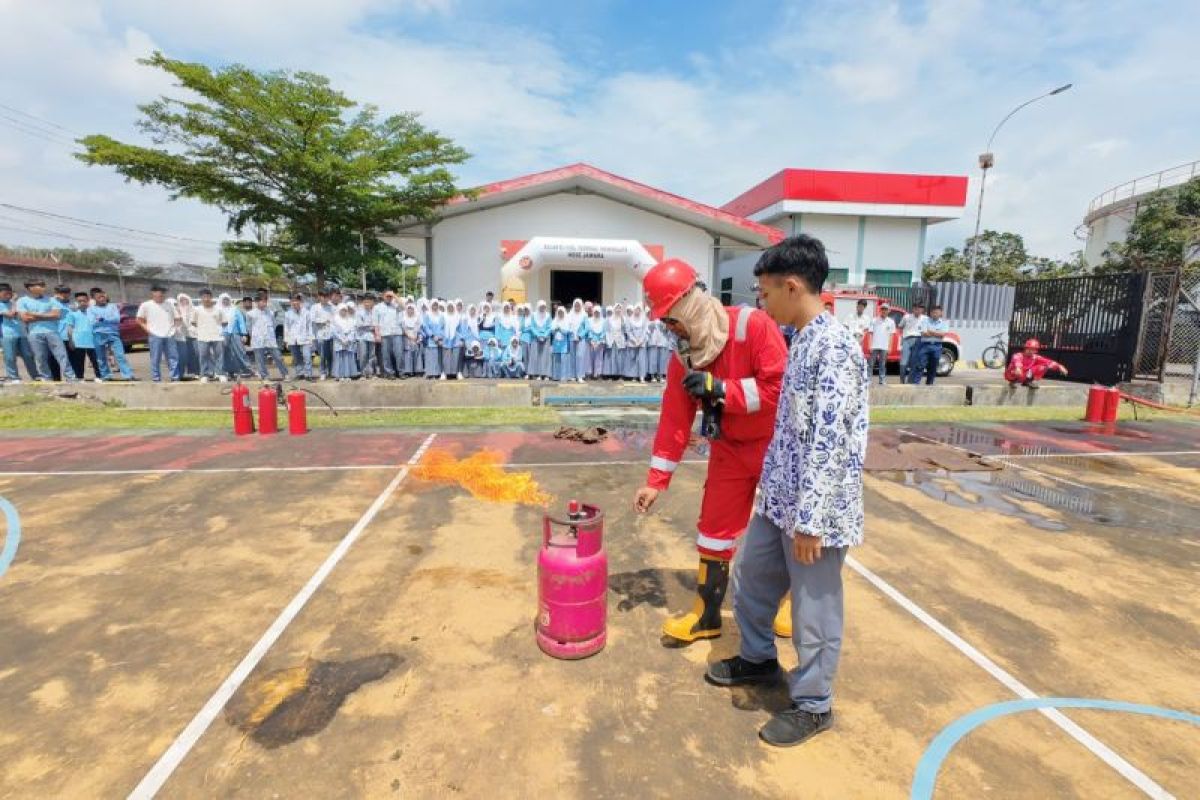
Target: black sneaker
<point>737,671</point>
<point>792,727</point>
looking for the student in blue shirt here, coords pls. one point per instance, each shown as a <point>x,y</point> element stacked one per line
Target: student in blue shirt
<point>14,341</point>
<point>928,349</point>
<point>40,315</point>
<point>81,343</point>
<point>106,333</point>
<point>236,333</point>
<point>562,335</point>
<point>62,299</point>
<point>433,332</point>
<point>493,358</point>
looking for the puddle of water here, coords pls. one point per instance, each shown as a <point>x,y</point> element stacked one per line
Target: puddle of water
<point>970,490</point>
<point>285,705</point>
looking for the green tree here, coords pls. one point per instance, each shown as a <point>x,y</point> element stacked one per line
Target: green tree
<point>1003,259</point>
<point>1163,236</point>
<point>286,153</point>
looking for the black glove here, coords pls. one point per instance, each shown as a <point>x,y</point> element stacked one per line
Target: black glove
<point>703,386</point>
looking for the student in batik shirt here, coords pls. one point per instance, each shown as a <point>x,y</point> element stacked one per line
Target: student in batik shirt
<point>809,510</point>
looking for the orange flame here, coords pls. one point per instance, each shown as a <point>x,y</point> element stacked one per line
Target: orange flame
<point>481,475</point>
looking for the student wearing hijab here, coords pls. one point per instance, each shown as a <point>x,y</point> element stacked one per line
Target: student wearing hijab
<point>514,359</point>
<point>474,366</point>
<point>506,324</point>
<point>561,355</point>
<point>525,334</point>
<point>616,338</point>
<point>540,325</point>
<point>345,343</point>
<point>455,337</point>
<point>185,338</point>
<point>578,318</point>
<point>493,358</point>
<point>433,331</point>
<point>638,332</point>
<point>411,361</point>
<point>487,320</point>
<point>594,333</point>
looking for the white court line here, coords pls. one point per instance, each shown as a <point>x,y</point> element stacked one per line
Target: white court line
<point>171,758</point>
<point>1128,771</point>
<point>1151,454</point>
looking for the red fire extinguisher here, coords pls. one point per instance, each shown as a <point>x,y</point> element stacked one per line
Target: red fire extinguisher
<point>1112,404</point>
<point>268,411</point>
<point>1096,401</point>
<point>297,413</point>
<point>243,416</point>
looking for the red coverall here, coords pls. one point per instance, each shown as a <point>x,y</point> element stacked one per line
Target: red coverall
<point>751,366</point>
<point>1024,368</point>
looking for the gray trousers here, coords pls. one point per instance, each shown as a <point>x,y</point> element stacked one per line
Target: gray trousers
<point>765,570</point>
<point>879,362</point>
<point>392,355</point>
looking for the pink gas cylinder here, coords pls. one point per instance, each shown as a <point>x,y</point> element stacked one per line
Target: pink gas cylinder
<point>572,584</point>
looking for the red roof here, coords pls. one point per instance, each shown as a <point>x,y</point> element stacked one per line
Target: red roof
<point>10,260</point>
<point>851,187</point>
<point>658,196</point>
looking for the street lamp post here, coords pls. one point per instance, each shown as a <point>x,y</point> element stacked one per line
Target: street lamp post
<point>986,160</point>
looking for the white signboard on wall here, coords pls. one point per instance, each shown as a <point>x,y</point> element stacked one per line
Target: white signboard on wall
<point>542,251</point>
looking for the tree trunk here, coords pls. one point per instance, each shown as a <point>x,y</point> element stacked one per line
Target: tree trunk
<point>319,271</point>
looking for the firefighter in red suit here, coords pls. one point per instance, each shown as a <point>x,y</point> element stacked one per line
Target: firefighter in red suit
<point>732,369</point>
<point>1027,367</point>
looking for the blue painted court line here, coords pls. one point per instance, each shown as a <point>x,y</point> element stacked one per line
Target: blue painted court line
<point>12,537</point>
<point>925,777</point>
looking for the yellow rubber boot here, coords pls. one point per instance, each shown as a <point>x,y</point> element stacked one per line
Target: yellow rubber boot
<point>783,618</point>
<point>704,620</point>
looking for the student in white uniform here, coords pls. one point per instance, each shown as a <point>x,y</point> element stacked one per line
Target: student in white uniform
<point>323,314</point>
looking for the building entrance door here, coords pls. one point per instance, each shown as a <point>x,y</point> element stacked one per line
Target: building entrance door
<point>566,285</point>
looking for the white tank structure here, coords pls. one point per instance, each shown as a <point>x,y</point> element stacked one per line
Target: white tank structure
<point>1110,214</point>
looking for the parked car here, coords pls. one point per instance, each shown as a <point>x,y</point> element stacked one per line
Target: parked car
<point>132,333</point>
<point>845,304</point>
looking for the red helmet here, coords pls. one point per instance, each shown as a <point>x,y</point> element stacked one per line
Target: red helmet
<point>665,283</point>
<point>1032,344</point>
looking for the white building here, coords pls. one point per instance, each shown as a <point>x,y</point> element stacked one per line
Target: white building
<point>571,232</point>
<point>1110,214</point>
<point>873,224</point>
<point>581,232</point>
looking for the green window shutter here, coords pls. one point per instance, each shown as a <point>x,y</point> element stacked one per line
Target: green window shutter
<point>889,277</point>
<point>839,277</point>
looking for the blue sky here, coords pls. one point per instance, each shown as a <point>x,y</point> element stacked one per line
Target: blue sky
<point>702,98</point>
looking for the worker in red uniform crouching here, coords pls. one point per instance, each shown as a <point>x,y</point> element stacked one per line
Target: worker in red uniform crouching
<point>1027,367</point>
<point>729,363</point>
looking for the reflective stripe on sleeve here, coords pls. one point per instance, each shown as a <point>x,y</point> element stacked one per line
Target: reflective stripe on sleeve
<point>743,323</point>
<point>717,545</point>
<point>750,390</point>
<point>663,464</point>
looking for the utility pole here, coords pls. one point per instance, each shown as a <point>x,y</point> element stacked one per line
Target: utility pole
<point>362,261</point>
<point>986,160</point>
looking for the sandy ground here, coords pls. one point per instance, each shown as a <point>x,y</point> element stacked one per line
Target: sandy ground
<point>413,671</point>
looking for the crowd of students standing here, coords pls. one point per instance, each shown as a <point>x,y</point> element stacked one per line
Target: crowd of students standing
<point>388,336</point>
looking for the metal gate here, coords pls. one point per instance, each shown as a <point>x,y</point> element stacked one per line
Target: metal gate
<point>1159,299</point>
<point>1104,328</point>
<point>1090,324</point>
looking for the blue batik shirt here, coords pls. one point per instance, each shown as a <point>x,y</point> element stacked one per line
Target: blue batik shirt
<point>812,476</point>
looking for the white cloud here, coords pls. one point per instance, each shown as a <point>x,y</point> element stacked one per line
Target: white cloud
<point>864,85</point>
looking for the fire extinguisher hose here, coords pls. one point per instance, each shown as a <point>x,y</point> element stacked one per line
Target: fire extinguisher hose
<point>1136,401</point>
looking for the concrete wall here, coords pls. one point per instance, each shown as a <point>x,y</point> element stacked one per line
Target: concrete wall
<point>1105,230</point>
<point>466,248</point>
<point>123,290</point>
